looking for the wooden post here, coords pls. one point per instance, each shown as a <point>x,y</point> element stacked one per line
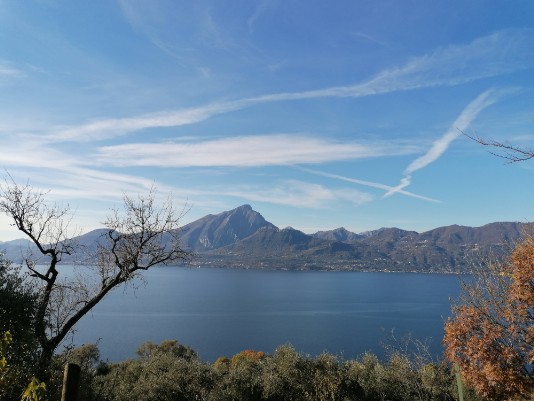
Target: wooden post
<point>71,382</point>
<point>459,382</point>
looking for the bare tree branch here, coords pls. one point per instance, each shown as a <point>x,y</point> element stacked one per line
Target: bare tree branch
<point>47,227</point>
<point>505,150</point>
<point>141,235</point>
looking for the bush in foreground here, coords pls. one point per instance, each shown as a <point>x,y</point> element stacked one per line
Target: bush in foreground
<point>171,371</point>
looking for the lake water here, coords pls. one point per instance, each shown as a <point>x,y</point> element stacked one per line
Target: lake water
<point>222,311</point>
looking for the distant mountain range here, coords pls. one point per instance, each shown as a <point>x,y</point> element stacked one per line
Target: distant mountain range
<point>242,238</point>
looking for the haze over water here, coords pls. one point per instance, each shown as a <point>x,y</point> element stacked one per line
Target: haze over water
<point>222,312</point>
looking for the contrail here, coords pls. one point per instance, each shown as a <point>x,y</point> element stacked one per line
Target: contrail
<point>366,183</point>
<point>439,146</point>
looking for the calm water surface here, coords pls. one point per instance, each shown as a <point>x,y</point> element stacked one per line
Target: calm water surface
<point>221,312</point>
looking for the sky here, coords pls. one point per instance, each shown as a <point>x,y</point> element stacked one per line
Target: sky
<point>319,114</point>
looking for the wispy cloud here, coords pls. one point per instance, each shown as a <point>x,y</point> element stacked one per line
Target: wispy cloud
<point>439,146</point>
<point>143,19</point>
<point>370,184</point>
<point>500,53</point>
<point>299,194</point>
<point>368,38</point>
<point>20,152</point>
<point>67,173</point>
<point>245,151</point>
<point>261,7</point>
<point>7,70</point>
<point>74,177</point>
<point>148,18</point>
<point>103,129</point>
<point>82,183</point>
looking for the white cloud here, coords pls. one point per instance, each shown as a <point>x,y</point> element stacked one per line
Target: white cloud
<point>299,194</point>
<point>102,129</point>
<point>26,154</point>
<point>500,53</point>
<point>8,71</point>
<point>245,151</point>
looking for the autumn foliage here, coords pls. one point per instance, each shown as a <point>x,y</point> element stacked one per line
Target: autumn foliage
<point>491,332</point>
<point>248,355</point>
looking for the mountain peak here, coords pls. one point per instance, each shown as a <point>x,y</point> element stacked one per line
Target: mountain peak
<point>339,234</point>
<point>215,231</point>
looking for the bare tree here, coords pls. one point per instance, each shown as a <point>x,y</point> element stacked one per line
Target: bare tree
<point>139,236</point>
<point>505,150</point>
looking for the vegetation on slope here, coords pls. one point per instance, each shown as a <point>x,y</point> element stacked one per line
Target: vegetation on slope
<point>171,371</point>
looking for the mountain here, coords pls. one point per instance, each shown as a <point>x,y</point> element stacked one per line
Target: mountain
<point>492,233</point>
<point>16,249</point>
<point>242,238</point>
<point>215,231</point>
<point>445,249</point>
<point>339,234</point>
<point>272,239</point>
<point>387,233</point>
<point>85,244</point>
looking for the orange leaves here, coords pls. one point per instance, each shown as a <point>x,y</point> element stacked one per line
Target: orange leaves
<point>492,336</point>
<point>488,361</point>
<point>522,261</point>
<point>247,355</point>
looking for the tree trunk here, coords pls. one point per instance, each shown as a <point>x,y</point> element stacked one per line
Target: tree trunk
<point>43,366</point>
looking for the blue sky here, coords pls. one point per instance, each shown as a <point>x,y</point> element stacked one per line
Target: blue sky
<point>319,114</point>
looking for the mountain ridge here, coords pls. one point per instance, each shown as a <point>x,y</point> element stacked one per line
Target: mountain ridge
<point>243,238</point>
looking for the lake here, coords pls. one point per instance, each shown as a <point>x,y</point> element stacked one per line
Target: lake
<point>222,311</point>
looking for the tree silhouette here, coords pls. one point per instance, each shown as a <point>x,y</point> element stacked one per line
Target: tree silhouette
<point>139,236</point>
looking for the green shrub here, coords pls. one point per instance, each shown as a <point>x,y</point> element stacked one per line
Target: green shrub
<point>170,371</point>
<point>165,372</point>
<point>17,308</point>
